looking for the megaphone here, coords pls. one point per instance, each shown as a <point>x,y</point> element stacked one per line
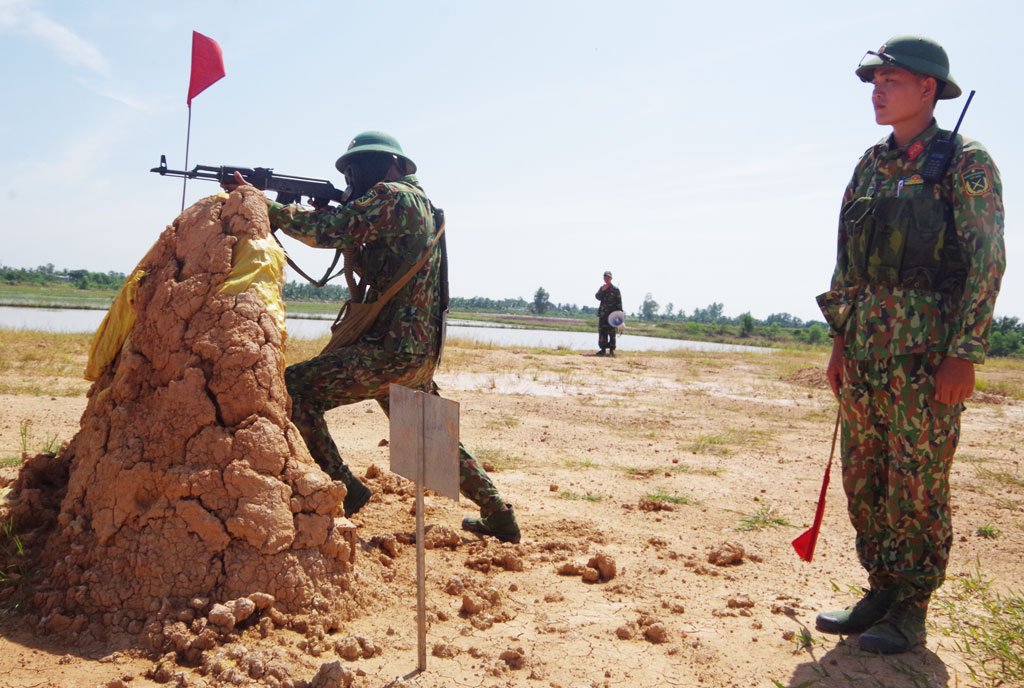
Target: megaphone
<point>616,318</point>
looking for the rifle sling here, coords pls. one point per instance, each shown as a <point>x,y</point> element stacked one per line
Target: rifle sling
<point>401,282</point>
<point>327,275</point>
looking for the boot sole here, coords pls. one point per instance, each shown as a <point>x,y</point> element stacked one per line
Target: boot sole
<point>468,526</point>
<point>881,646</point>
<point>837,628</point>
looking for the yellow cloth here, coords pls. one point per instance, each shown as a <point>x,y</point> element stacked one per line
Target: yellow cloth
<point>258,264</point>
<point>113,331</point>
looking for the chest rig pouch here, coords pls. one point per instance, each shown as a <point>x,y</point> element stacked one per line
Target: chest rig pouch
<point>901,242</point>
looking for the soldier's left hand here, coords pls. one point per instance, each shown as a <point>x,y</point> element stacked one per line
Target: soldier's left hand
<point>239,181</point>
<point>954,381</point>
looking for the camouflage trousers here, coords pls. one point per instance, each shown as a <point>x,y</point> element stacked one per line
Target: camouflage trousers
<point>606,337</point>
<point>897,449</point>
<point>356,373</point>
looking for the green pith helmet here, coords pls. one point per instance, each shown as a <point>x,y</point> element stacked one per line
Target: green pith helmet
<point>915,54</point>
<point>374,141</point>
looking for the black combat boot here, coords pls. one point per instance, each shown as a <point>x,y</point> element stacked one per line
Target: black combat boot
<point>901,629</point>
<point>861,616</point>
<point>357,494</point>
<point>356,498</point>
<point>501,524</point>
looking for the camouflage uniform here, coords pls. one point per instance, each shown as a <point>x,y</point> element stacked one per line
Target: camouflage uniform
<point>611,301</point>
<point>906,294</point>
<point>392,224</point>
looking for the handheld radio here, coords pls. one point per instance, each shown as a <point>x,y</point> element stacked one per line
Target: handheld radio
<point>942,150</point>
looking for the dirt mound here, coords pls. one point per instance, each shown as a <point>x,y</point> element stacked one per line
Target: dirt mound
<point>187,485</point>
<point>809,377</point>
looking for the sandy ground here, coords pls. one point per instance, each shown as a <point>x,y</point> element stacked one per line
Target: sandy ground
<point>579,445</point>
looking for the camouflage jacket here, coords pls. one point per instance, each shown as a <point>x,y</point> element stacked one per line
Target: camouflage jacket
<point>391,225</point>
<point>611,301</point>
<point>885,320</point>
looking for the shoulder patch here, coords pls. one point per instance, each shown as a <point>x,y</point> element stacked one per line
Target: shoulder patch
<point>369,197</point>
<point>975,180</point>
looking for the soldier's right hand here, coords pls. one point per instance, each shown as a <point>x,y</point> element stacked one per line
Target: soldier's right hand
<point>834,371</point>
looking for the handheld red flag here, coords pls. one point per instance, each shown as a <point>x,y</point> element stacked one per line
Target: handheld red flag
<point>207,65</point>
<point>804,545</point>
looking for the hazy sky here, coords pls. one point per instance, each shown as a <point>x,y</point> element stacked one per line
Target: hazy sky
<point>698,150</point>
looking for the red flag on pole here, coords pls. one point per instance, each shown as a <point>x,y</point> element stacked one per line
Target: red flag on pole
<point>207,65</point>
<point>804,544</point>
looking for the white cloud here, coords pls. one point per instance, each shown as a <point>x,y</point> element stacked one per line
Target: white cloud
<point>68,45</point>
<point>20,15</point>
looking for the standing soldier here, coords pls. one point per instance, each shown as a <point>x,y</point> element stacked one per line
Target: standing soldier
<point>611,301</point>
<point>919,265</point>
<point>389,222</point>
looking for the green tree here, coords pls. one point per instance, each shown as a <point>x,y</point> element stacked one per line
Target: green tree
<point>649,309</point>
<point>540,301</point>
<point>746,325</point>
<point>711,314</point>
<point>815,333</point>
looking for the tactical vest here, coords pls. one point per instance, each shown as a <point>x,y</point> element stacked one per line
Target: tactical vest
<point>907,242</point>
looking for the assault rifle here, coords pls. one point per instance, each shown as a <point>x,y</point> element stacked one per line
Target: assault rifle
<point>289,189</point>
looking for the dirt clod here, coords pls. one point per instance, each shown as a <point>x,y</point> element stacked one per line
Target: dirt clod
<point>726,554</point>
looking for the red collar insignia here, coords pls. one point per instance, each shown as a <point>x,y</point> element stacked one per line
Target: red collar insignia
<point>915,149</point>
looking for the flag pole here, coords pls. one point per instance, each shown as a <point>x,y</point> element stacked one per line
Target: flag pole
<point>188,136</point>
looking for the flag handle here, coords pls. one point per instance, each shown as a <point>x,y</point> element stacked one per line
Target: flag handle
<point>804,545</point>
<point>188,136</point>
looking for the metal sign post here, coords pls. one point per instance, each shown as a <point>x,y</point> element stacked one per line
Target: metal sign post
<point>425,449</point>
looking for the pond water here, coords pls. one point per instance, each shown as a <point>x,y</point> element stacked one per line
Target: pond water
<point>75,320</point>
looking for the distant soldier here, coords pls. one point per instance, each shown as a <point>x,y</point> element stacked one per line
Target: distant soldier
<point>389,221</point>
<point>611,301</point>
<point>919,266</point>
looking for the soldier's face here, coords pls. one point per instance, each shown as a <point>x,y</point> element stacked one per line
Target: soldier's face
<point>900,96</point>
<point>607,279</point>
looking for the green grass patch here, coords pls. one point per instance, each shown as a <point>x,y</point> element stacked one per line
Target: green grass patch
<point>762,518</point>
<point>10,461</point>
<point>578,465</point>
<point>503,420</point>
<point>987,628</point>
<point>662,496</point>
<point>43,363</point>
<point>56,296</point>
<point>637,472</point>
<point>988,532</point>
<point>709,444</point>
<point>1002,388</point>
<point>687,469</point>
<point>500,459</point>
<point>16,574</point>
<point>585,497</point>
<point>972,458</point>
<point>1002,477</point>
<point>50,445</point>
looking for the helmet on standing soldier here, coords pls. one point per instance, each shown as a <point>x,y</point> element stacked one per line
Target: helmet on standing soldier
<point>916,54</point>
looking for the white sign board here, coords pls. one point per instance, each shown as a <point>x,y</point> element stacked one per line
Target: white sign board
<point>425,425</point>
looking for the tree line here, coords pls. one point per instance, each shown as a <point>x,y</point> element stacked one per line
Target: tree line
<point>48,275</point>
<point>1006,338</point>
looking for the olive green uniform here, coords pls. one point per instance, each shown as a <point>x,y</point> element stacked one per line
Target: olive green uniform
<point>918,271</point>
<point>392,224</point>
